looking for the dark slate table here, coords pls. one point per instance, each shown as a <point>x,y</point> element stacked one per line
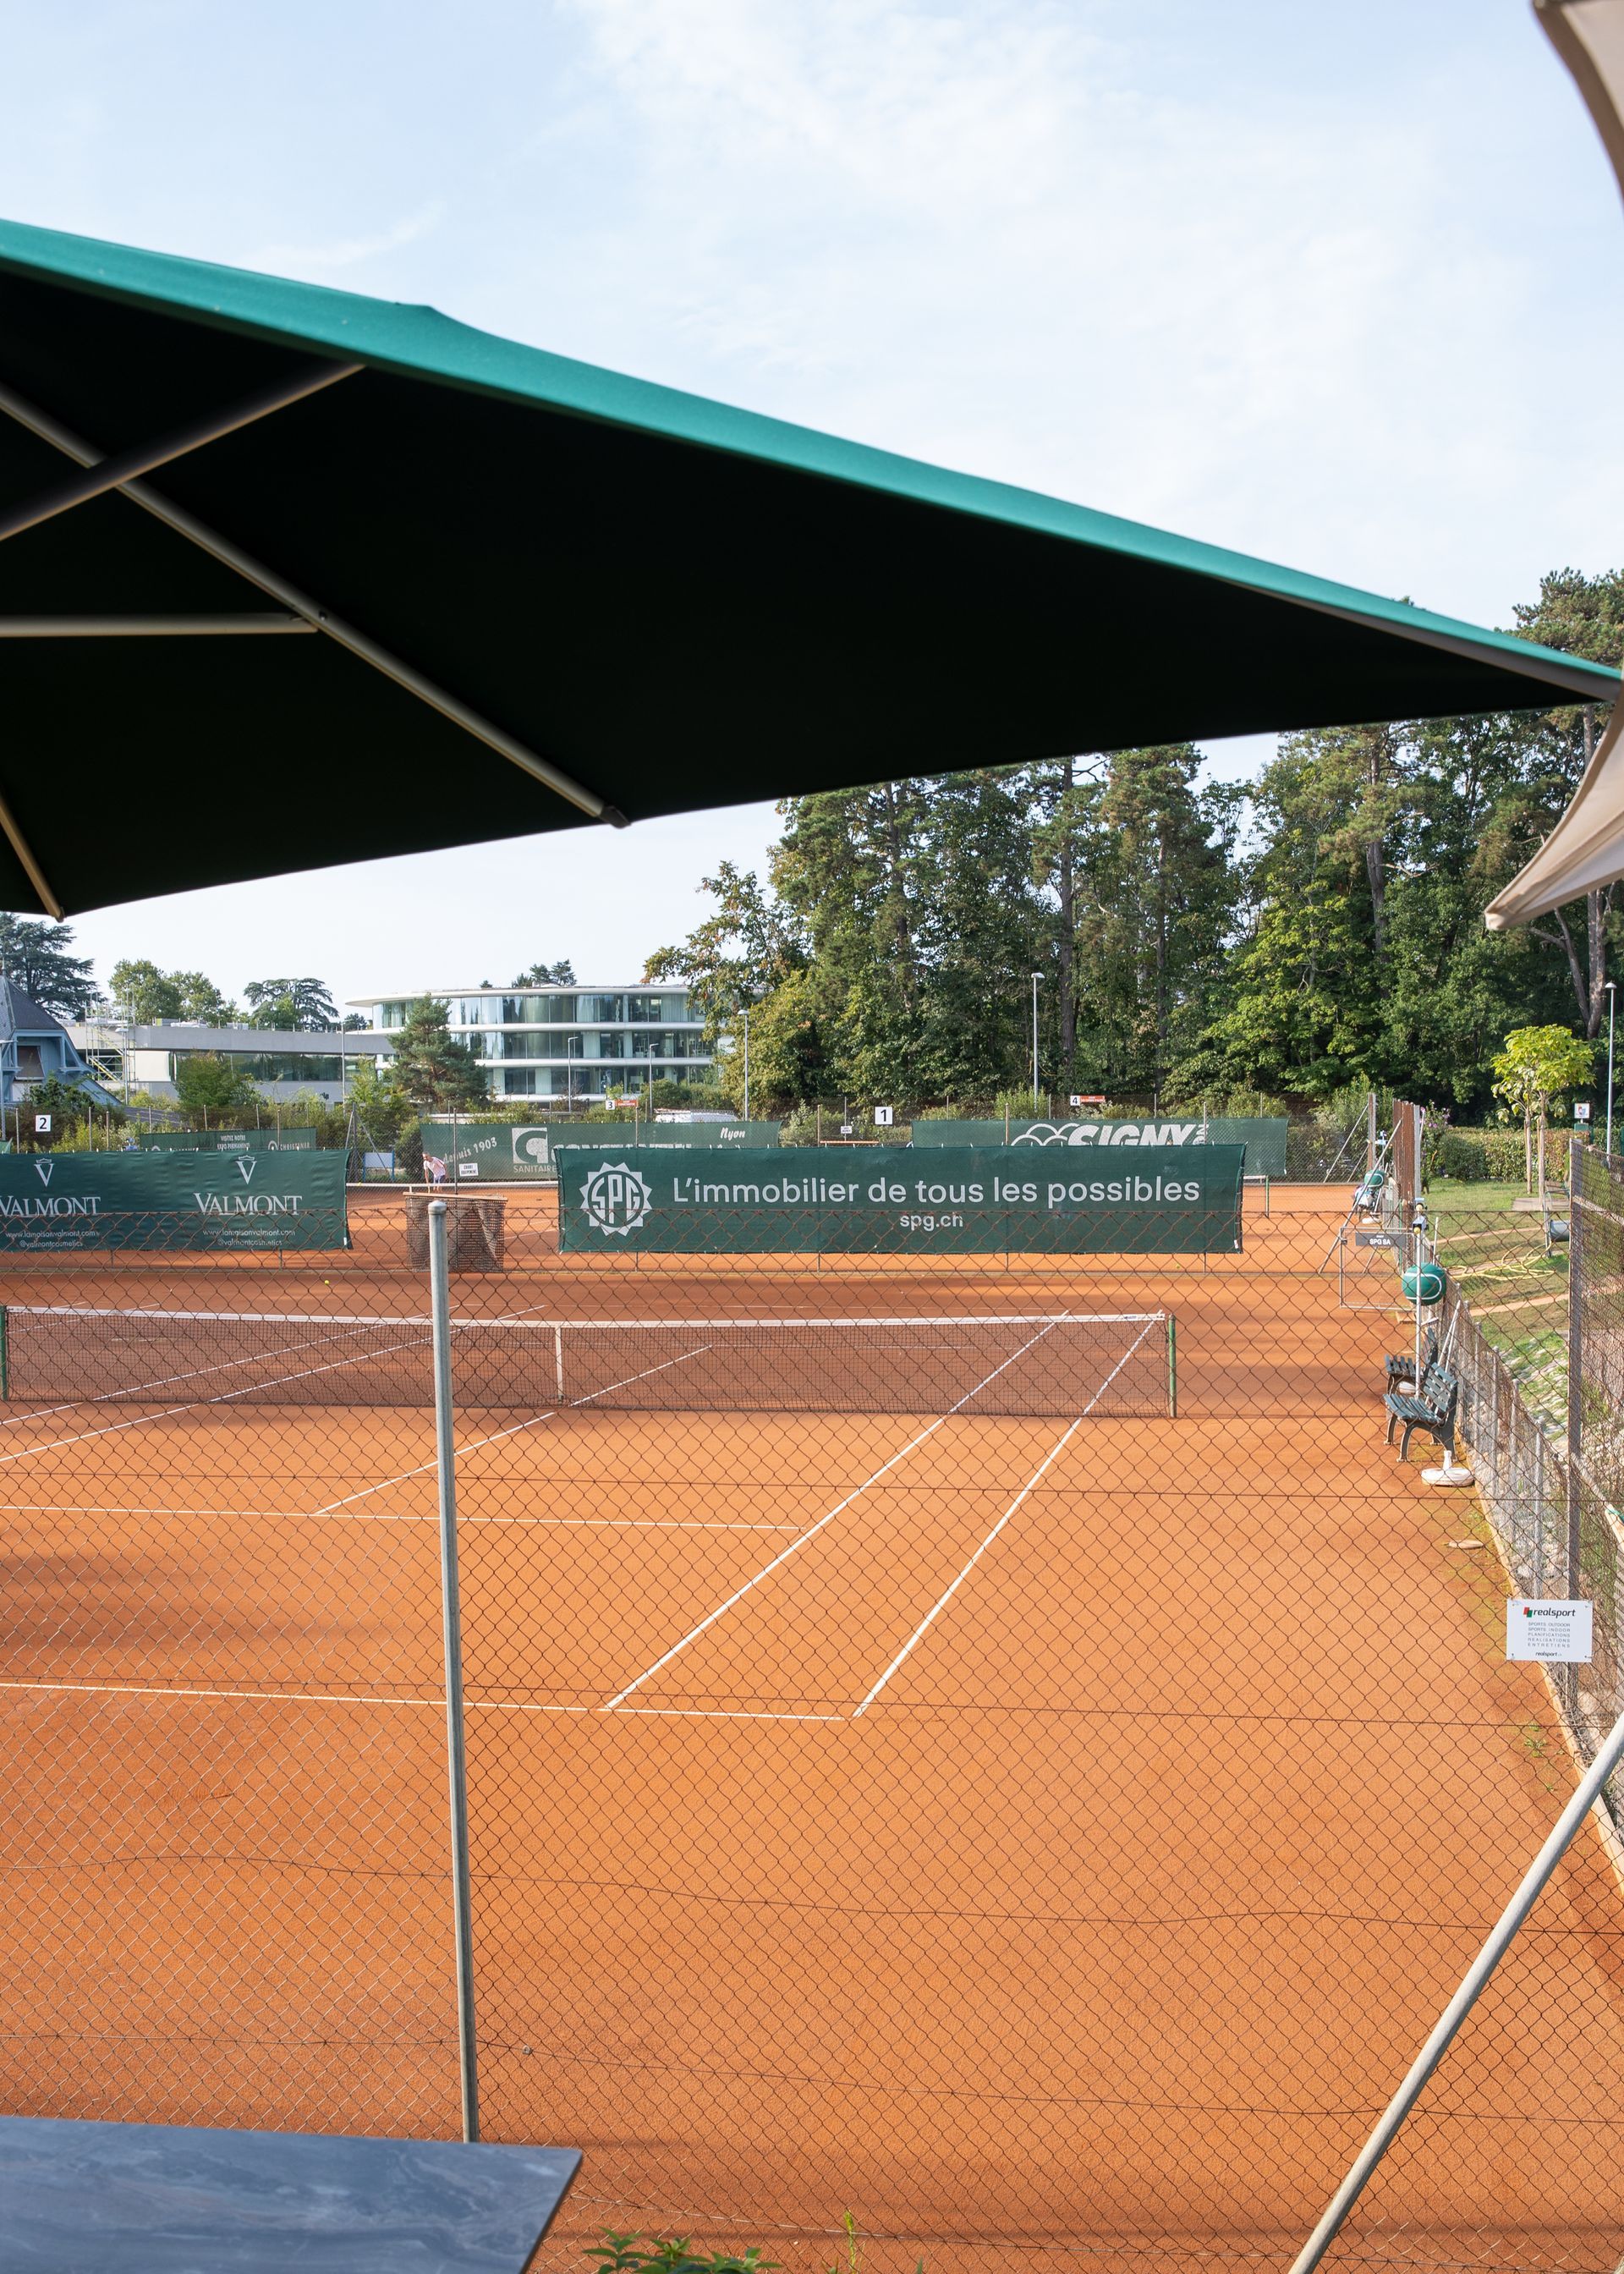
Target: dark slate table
<point>81,2198</point>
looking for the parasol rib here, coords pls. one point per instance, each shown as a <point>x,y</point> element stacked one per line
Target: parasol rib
<point>405,674</point>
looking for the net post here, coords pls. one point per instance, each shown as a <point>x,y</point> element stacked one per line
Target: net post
<point>1172,1340</point>
<point>456,1760</point>
<point>557,1361</point>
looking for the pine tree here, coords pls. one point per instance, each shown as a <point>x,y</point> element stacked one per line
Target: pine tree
<point>35,956</point>
<point>429,1066</point>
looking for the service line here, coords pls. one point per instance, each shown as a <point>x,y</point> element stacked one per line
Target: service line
<point>942,1602</point>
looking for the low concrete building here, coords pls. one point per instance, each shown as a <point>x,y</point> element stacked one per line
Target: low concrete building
<point>282,1066</point>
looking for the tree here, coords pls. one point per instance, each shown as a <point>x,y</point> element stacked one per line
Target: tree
<point>547,975</point>
<point>291,1006</point>
<point>380,1105</point>
<point>209,1086</point>
<point>147,996</point>
<point>144,995</point>
<point>35,956</point>
<point>1537,1064</point>
<point>201,1002</point>
<point>1139,858</point>
<point>430,1066</point>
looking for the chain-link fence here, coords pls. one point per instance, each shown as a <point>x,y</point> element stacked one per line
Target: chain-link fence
<point>994,1743</point>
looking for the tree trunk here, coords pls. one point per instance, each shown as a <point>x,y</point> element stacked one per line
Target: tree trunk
<point>1375,855</point>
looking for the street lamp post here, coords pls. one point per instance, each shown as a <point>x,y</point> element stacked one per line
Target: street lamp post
<point>1610,1009</point>
<point>747,1061</point>
<point>1035,977</point>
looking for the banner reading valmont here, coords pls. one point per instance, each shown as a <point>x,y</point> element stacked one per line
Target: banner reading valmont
<point>54,1202</point>
<point>1160,1202</point>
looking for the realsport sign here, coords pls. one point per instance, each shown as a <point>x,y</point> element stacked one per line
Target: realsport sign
<point>54,1202</point>
<point>887,1201</point>
<point>1264,1138</point>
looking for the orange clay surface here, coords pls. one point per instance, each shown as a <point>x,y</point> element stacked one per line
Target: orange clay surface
<point>1037,1836</point>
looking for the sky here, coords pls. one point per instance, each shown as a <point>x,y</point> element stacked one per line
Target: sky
<point>1332,284</point>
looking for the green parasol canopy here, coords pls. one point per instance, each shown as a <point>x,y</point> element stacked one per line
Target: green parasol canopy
<point>289,576</point>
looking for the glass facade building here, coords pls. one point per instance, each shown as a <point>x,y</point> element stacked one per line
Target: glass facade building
<point>568,1043</point>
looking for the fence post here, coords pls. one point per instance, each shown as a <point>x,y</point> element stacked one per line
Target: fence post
<point>1464,1998</point>
<point>1575,1358</point>
<point>456,1761</point>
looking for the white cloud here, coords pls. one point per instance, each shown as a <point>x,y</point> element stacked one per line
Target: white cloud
<point>345,252</point>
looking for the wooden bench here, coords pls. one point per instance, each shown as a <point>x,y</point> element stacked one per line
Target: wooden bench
<point>1431,1408</point>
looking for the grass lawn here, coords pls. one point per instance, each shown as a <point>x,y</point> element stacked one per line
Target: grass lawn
<point>1496,1258</point>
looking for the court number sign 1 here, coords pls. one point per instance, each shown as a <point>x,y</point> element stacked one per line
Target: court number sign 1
<point>1555,1631</point>
<point>885,1115</point>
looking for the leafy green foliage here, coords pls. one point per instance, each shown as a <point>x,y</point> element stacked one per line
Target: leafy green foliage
<point>629,2254</point>
<point>546,975</point>
<point>210,1087</point>
<point>291,1006</point>
<point>147,996</point>
<point>35,956</point>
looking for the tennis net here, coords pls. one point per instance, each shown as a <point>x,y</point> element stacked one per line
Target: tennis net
<point>1102,1363</point>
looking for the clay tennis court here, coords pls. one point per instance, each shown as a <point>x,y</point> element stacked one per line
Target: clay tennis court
<point>1046,1834</point>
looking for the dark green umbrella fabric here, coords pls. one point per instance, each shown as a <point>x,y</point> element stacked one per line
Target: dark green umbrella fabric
<point>456,588</point>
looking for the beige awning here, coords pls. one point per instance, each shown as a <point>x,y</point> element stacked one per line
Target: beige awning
<point>1586,848</point>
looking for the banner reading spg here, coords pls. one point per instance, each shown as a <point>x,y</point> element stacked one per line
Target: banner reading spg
<point>975,1201</point>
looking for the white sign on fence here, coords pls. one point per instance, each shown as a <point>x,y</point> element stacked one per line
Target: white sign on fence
<point>1582,1111</point>
<point>1554,1631</point>
<point>42,1125</point>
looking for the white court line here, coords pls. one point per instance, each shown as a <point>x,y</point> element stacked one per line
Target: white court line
<point>223,1398</point>
<point>942,1601</point>
<point>722,1713</point>
<point>682,1359</point>
<point>615,1704</point>
<point>1115,1371</point>
<point>348,1698</point>
<point>424,1467</point>
<point>194,1374</point>
<point>403,1516</point>
<point>255,1697</point>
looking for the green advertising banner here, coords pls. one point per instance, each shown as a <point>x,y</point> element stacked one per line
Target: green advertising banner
<point>1164,1201</point>
<point>1263,1138</point>
<point>503,1153</point>
<point>54,1203</point>
<point>227,1140</point>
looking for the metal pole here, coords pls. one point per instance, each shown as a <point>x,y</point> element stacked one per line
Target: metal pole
<point>456,1760</point>
<point>747,1062</point>
<point>1609,1012</point>
<point>1576,1366</point>
<point>1035,977</point>
<point>1464,1998</point>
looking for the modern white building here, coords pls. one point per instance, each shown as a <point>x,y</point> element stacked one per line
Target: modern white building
<point>282,1066</point>
<point>567,1042</point>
